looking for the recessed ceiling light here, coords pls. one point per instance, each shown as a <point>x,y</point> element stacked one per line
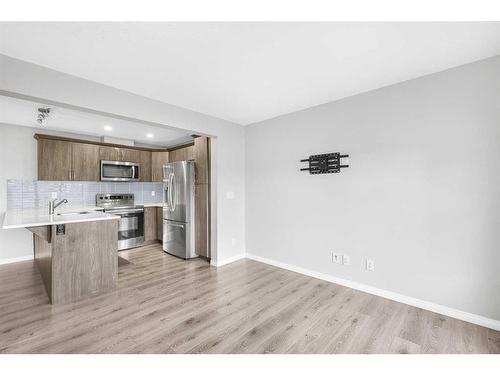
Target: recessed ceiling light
<point>108,128</point>
<point>150,135</point>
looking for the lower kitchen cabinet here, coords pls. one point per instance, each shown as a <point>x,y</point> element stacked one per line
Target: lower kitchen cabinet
<point>150,224</point>
<point>159,223</point>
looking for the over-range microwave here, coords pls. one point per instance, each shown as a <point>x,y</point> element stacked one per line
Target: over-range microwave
<point>119,171</point>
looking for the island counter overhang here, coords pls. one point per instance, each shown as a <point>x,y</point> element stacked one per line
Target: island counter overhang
<point>77,256</point>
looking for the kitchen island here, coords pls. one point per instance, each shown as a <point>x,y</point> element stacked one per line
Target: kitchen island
<point>75,252</point>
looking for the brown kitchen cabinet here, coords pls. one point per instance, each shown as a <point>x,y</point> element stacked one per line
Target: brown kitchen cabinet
<point>180,154</point>
<point>146,168</point>
<point>159,223</point>
<point>201,217</point>
<point>67,161</point>
<point>119,154</point>
<point>158,160</point>
<point>150,224</point>
<point>201,158</point>
<point>128,154</point>
<point>54,160</point>
<point>108,153</point>
<point>85,162</point>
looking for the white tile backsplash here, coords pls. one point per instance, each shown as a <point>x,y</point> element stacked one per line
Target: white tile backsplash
<point>36,194</point>
<point>121,187</point>
<point>90,189</point>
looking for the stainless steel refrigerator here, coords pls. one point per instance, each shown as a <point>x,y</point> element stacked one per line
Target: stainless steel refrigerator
<point>178,211</point>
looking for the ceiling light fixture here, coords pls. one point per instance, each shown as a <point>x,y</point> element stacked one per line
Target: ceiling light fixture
<point>43,115</point>
<point>150,135</point>
<point>108,128</point>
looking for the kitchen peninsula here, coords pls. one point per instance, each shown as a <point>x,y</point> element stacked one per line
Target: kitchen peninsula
<point>75,252</point>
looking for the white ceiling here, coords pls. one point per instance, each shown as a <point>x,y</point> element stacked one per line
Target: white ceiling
<point>248,72</point>
<point>24,113</point>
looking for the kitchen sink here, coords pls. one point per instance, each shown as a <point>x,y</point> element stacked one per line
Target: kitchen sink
<point>74,213</point>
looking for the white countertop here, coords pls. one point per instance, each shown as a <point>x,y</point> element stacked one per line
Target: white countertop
<point>40,217</point>
<point>37,218</point>
<point>154,204</point>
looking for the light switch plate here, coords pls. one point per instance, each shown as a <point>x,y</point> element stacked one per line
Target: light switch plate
<point>153,193</point>
<point>230,195</point>
<point>53,195</point>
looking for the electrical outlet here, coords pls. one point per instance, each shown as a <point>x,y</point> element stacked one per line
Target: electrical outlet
<point>370,265</point>
<point>336,258</point>
<point>346,260</point>
<point>53,195</point>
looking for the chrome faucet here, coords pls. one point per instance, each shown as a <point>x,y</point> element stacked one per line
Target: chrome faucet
<point>53,205</point>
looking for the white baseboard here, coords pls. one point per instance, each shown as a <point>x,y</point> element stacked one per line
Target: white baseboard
<point>440,309</point>
<point>223,262</point>
<point>15,260</point>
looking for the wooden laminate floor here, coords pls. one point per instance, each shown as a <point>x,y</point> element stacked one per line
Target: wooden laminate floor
<point>167,305</point>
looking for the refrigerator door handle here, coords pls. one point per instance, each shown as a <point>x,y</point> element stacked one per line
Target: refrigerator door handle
<point>174,192</point>
<point>170,192</point>
<point>175,225</point>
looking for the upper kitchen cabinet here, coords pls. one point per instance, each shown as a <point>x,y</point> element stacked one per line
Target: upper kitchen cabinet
<point>65,159</point>
<point>60,160</point>
<point>158,160</point>
<point>145,161</point>
<point>128,154</point>
<point>85,162</point>
<point>54,160</point>
<point>181,153</point>
<point>109,153</point>
<point>201,158</point>
<point>199,152</point>
<point>119,154</point>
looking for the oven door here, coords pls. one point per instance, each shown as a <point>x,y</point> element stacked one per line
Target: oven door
<point>130,228</point>
<point>119,171</point>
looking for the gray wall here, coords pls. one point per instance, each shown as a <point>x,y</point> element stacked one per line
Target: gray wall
<point>421,196</point>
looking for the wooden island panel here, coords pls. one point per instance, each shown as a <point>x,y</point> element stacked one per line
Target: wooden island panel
<point>79,263</point>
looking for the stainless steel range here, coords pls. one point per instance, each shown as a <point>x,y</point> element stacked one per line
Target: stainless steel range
<point>131,224</point>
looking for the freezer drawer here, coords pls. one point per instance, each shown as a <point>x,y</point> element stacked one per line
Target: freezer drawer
<point>178,239</point>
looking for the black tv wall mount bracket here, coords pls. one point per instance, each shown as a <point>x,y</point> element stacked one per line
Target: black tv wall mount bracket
<point>326,163</point>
